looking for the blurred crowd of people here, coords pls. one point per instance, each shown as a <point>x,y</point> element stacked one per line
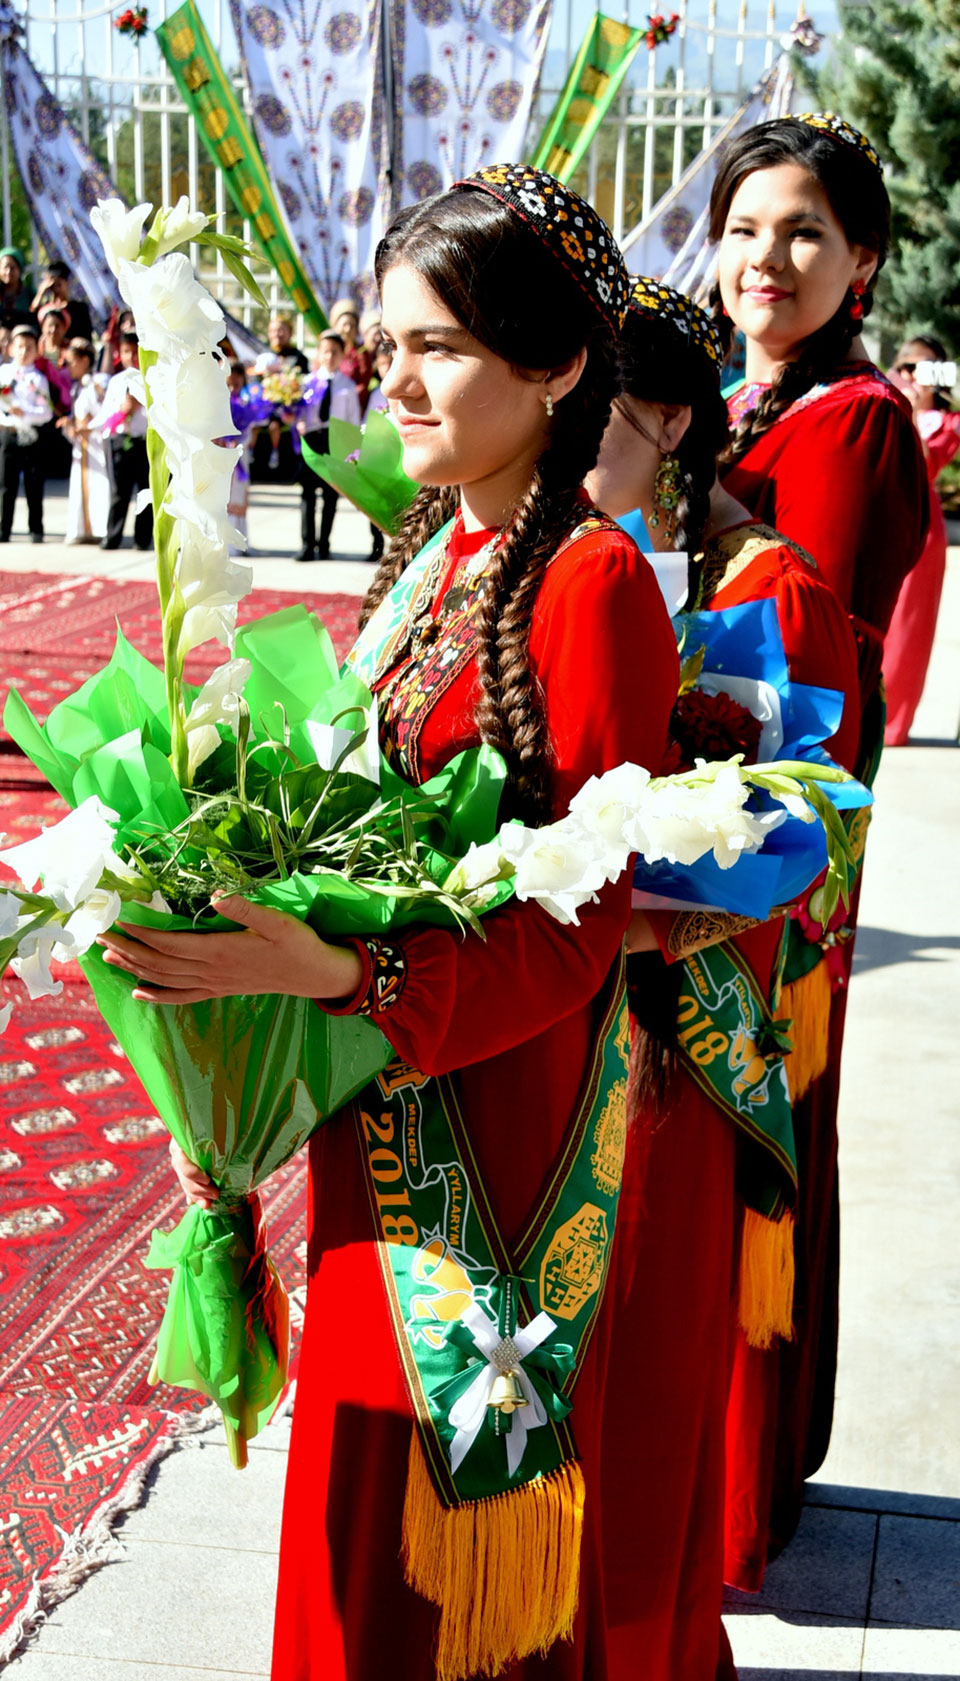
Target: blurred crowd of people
<point>74,408</point>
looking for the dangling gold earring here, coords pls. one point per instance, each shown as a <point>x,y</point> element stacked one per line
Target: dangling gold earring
<point>549,406</point>
<point>666,494</point>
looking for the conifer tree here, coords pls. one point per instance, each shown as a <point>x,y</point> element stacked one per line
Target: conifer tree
<point>895,73</point>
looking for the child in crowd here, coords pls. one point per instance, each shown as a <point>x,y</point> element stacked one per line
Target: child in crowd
<point>54,322</point>
<point>24,408</point>
<point>334,397</point>
<point>123,422</point>
<point>88,498</point>
<point>381,367</point>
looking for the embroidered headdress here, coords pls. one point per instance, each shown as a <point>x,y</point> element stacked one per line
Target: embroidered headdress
<point>652,297</point>
<point>830,123</point>
<point>568,226</point>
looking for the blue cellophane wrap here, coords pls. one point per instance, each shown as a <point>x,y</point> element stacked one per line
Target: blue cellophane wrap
<point>745,642</point>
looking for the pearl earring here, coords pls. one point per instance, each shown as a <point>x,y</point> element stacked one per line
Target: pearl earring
<point>549,406</point>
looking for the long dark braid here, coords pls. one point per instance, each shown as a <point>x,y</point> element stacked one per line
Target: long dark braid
<point>511,715</point>
<point>497,279</point>
<point>858,198</point>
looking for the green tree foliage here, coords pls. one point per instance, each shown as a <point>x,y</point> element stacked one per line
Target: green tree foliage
<point>895,73</point>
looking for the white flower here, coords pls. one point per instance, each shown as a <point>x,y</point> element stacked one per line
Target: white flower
<point>6,1011</point>
<point>211,584</point>
<point>10,912</point>
<point>177,225</point>
<point>217,703</point>
<point>190,396</point>
<point>797,806</point>
<point>604,807</point>
<point>97,913</point>
<point>560,866</point>
<point>157,902</point>
<point>173,312</point>
<point>683,821</point>
<point>32,963</point>
<point>119,229</point>
<point>71,856</point>
<point>475,878</point>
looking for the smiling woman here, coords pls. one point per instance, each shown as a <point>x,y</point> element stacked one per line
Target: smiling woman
<point>824,450</point>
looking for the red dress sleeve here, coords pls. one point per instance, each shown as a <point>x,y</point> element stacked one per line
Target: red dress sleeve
<point>606,659</point>
<point>846,480</point>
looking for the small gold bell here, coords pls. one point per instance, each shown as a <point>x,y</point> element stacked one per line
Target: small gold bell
<point>506,1394</point>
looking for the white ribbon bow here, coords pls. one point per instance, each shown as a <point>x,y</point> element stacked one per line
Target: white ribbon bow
<point>469,1412</point>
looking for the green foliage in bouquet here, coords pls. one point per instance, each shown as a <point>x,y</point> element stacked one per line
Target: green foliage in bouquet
<point>301,812</point>
<point>366,466</point>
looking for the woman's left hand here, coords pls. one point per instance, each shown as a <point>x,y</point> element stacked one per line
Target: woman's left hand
<point>274,953</point>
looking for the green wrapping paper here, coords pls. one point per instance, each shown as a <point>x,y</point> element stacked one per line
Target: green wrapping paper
<point>242,1082</point>
<point>367,466</point>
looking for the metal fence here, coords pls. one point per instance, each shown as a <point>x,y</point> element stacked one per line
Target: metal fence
<point>126,105</point>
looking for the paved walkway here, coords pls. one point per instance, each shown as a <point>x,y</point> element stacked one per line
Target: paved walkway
<point>871,1585</point>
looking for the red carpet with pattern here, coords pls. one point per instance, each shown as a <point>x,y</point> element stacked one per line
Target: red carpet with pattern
<point>55,631</point>
<point>84,1179</point>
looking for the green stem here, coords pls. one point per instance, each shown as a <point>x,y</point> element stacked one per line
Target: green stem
<point>166,549</point>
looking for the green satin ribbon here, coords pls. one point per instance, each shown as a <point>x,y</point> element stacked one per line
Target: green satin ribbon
<point>547,1367</point>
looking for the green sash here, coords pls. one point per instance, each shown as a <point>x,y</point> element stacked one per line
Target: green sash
<point>727,1041</point>
<point>458,1296</point>
<point>373,652</point>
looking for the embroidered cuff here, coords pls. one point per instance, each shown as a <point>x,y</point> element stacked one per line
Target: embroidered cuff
<point>387,979</point>
<point>691,931</point>
<point>381,984</point>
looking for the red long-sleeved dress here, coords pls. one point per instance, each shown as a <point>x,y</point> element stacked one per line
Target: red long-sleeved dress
<point>674,1316</point>
<point>909,641</point>
<point>842,474</point>
<point>516,1015</point>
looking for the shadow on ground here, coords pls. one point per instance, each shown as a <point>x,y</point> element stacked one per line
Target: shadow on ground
<point>881,948</point>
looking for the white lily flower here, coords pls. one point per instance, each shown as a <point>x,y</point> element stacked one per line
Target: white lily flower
<point>217,703</point>
<point>190,396</point>
<point>474,879</point>
<point>70,856</point>
<point>173,312</point>
<point>604,807</point>
<point>120,230</point>
<point>797,806</point>
<point>32,963</point>
<point>560,866</point>
<point>11,911</point>
<point>178,225</point>
<point>681,821</point>
<point>97,913</point>
<point>6,1011</point>
<point>157,902</point>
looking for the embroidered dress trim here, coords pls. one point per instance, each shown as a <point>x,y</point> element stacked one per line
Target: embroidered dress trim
<point>729,553</point>
<point>388,976</point>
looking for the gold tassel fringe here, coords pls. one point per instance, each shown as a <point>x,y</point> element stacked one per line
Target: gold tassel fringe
<point>807,1001</point>
<point>505,1572</point>
<point>766,1279</point>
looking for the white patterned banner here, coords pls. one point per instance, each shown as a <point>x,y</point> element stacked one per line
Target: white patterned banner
<point>465,74</point>
<point>61,177</point>
<point>313,70</point>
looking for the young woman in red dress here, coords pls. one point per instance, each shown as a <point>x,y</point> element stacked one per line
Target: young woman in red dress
<point>543,633</point>
<point>823,449</point>
<point>681,1220</point>
<point>909,641</point>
